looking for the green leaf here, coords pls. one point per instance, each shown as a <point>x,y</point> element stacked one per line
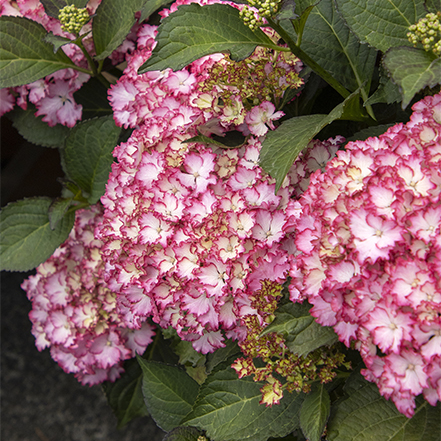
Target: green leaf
<point>381,24</point>
<point>301,332</point>
<point>315,413</point>
<point>35,130</point>
<point>412,70</point>
<point>56,41</point>
<point>369,132</point>
<point>150,7</point>
<point>24,57</point>
<point>220,355</point>
<point>93,97</point>
<point>57,211</point>
<point>27,239</point>
<point>169,393</point>
<point>282,146</point>
<point>300,23</point>
<point>87,157</point>
<point>287,10</point>
<point>291,319</point>
<point>111,25</point>
<point>366,415</point>
<point>330,43</point>
<point>183,433</point>
<point>194,31</point>
<point>387,91</point>
<point>52,7</point>
<point>125,395</point>
<point>228,408</point>
<point>433,6</point>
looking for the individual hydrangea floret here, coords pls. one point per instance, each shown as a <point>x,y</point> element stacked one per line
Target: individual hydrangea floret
<point>369,254</point>
<point>74,312</point>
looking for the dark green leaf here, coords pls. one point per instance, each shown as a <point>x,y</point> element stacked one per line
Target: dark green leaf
<point>93,97</point>
<point>287,10</point>
<point>169,393</point>
<point>27,239</point>
<point>87,156</point>
<point>52,7</point>
<point>282,146</point>
<point>56,41</point>
<point>301,332</point>
<point>291,319</point>
<point>231,349</point>
<point>111,25</point>
<point>366,415</point>
<point>202,139</point>
<point>315,413</point>
<point>300,22</point>
<point>381,24</point>
<point>329,42</point>
<point>125,395</point>
<point>150,7</point>
<point>187,354</point>
<point>35,130</point>
<point>387,91</point>
<point>412,70</point>
<point>183,433</point>
<point>228,408</point>
<point>24,57</point>
<point>57,210</point>
<point>370,132</point>
<point>194,31</point>
<point>433,6</point>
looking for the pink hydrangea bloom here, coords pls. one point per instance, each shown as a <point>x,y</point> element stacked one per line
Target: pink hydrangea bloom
<point>74,312</point>
<point>189,230</point>
<point>369,251</point>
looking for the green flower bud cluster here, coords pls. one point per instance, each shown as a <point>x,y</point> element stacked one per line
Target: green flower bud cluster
<point>265,8</point>
<point>72,19</point>
<point>268,358</point>
<point>427,32</point>
<point>265,76</point>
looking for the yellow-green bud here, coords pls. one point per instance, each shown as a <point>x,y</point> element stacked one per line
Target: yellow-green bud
<point>72,19</point>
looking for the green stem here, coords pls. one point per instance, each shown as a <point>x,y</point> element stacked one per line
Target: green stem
<point>308,60</point>
<point>88,57</point>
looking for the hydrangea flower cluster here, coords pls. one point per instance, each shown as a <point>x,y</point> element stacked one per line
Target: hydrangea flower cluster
<point>370,254</point>
<point>189,230</point>
<point>298,371</point>
<point>53,95</point>
<point>74,312</point>
<point>252,86</point>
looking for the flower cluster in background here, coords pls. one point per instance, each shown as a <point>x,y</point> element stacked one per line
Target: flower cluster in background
<point>52,96</point>
<point>297,371</point>
<point>74,313</point>
<point>369,253</point>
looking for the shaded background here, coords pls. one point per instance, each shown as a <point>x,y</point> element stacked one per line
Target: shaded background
<point>39,402</point>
